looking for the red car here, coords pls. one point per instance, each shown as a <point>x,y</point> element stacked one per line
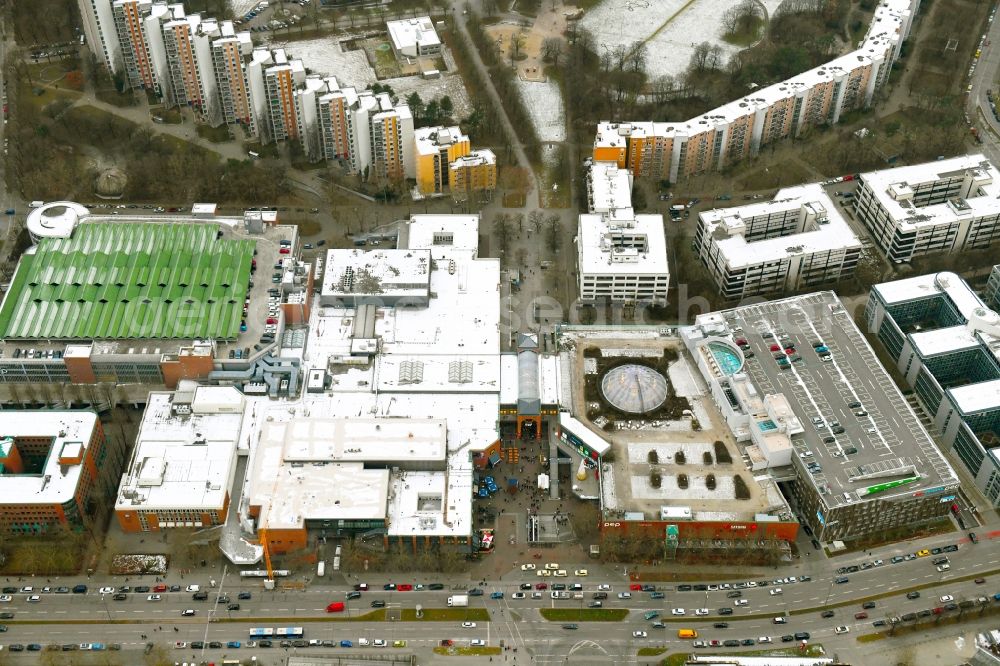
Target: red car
<point>285,250</point>
<point>335,607</point>
<point>541,586</point>
<point>404,587</point>
<point>272,320</point>
<point>980,581</point>
<point>938,610</point>
<point>861,616</point>
<point>160,588</point>
<point>775,348</point>
<point>790,350</point>
<point>635,587</point>
<point>741,341</point>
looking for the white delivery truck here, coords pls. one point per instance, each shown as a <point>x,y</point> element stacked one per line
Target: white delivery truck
<point>458,600</point>
<point>321,569</point>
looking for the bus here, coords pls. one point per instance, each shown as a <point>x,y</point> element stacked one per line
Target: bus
<point>289,632</point>
<point>261,632</point>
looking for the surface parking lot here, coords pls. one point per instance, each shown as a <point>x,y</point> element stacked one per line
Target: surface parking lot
<point>879,435</point>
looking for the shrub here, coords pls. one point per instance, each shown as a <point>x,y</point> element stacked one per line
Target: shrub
<point>706,457</point>
<point>682,481</point>
<point>680,458</point>
<point>653,457</point>
<point>695,424</point>
<point>710,482</point>
<point>722,453</point>
<point>655,479</point>
<point>742,492</point>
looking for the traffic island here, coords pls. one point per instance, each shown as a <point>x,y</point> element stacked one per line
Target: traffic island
<point>454,651</point>
<point>584,614</point>
<point>679,659</point>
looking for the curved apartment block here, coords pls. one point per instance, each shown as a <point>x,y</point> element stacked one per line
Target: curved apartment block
<point>736,130</point>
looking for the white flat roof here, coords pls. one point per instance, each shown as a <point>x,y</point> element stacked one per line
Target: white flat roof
<point>973,398</point>
<point>426,373</point>
<point>430,140</point>
<point>410,32</point>
<point>417,503</point>
<point>443,234</point>
<point>375,273</point>
<point>508,378</point>
<point>931,284</point>
<point>893,189</point>
<point>596,250</point>
<point>941,340</point>
<point>610,188</point>
<point>55,483</point>
<point>318,439</point>
<point>180,462</point>
<point>724,227</point>
<point>580,429</point>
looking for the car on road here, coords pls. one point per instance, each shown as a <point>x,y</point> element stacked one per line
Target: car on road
<point>763,639</point>
<point>581,572</point>
<point>740,602</point>
<point>701,612</point>
<point>107,590</point>
<point>154,597</point>
<point>6,598</point>
<point>517,595</point>
<point>248,595</point>
<point>775,591</point>
<point>193,588</point>
<point>947,598</point>
<point>570,626</point>
<point>635,587</point>
<point>781,619</point>
<point>34,598</point>
<point>527,567</point>
<point>973,538</point>
<point>923,553</point>
<point>980,581</point>
<point>604,586</point>
<point>842,629</point>
<point>827,614</point>
<point>841,580</point>
<point>677,611</point>
<point>721,625</point>
<point>404,587</point>
<point>861,616</point>
<point>657,595</point>
<point>624,595</point>
<point>639,634</point>
<point>378,603</point>
<point>468,625</point>
<point>868,605</point>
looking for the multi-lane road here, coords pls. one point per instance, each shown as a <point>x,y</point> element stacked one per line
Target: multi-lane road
<point>517,621</point>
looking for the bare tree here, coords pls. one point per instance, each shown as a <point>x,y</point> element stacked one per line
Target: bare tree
<point>552,50</point>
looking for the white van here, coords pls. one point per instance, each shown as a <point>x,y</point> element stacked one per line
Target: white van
<point>321,569</point>
<point>36,204</point>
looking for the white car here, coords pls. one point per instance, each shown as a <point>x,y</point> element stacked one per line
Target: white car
<point>107,590</point>
<point>604,587</point>
<point>701,612</point>
<point>947,599</point>
<point>543,572</point>
<point>775,591</point>
<point>469,625</point>
<point>34,598</point>
<point>552,566</point>
<point>193,588</point>
<point>517,595</point>
<point>561,573</point>
<point>478,642</point>
<point>740,602</point>
<point>527,567</point>
<point>153,597</point>
<point>624,595</point>
<point>180,645</point>
<point>379,642</point>
<point>582,572</point>
<point>677,611</point>
<point>763,639</point>
<point>6,598</point>
<point>28,589</point>
<point>639,634</point>
<point>363,642</point>
<point>842,629</point>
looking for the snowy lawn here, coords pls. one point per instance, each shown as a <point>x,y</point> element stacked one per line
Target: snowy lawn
<point>325,56</point>
<point>638,452</point>
<point>428,89</point>
<point>623,22</point>
<point>696,490</point>
<point>545,106</point>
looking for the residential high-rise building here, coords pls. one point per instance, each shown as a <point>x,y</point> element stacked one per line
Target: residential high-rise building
<point>228,54</point>
<point>131,25</point>
<point>392,141</point>
<point>100,31</point>
<point>280,81</point>
<point>187,42</point>
<point>475,172</point>
<point>435,149</point>
<point>737,130</point>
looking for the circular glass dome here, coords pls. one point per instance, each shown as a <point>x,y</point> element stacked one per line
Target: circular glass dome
<point>634,388</point>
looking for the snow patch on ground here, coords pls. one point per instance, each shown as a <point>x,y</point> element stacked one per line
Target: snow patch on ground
<point>325,56</point>
<point>428,89</point>
<point>623,22</point>
<point>241,7</point>
<point>638,452</point>
<point>696,490</point>
<point>683,378</point>
<point>545,106</point>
